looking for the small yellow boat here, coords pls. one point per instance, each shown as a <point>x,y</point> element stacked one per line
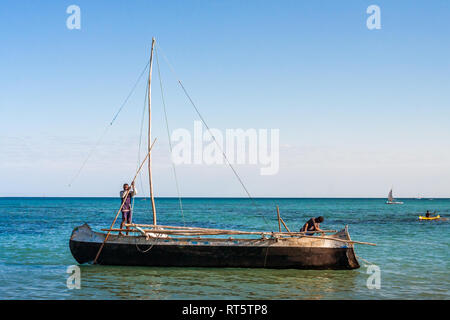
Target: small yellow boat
<point>430,218</point>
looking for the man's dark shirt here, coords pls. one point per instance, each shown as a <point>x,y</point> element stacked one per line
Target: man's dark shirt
<point>309,225</point>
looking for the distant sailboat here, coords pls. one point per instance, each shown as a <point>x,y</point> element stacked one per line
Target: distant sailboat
<point>391,199</point>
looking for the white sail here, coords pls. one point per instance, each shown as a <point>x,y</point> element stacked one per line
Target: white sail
<point>390,197</point>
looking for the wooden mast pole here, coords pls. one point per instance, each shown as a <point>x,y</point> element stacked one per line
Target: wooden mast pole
<point>279,222</point>
<point>150,132</point>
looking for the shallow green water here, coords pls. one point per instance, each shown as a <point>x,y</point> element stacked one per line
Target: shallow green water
<point>413,256</point>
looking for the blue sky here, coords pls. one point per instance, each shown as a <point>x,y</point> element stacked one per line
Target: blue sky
<point>358,110</point>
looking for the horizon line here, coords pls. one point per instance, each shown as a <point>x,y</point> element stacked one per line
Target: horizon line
<point>209,197</point>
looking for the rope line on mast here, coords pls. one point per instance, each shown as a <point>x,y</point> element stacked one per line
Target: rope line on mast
<point>108,126</point>
<point>139,146</point>
<point>140,137</point>
<point>209,130</point>
<point>131,92</point>
<point>168,137</point>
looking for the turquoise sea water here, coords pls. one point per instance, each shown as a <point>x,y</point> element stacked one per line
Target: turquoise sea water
<point>412,255</point>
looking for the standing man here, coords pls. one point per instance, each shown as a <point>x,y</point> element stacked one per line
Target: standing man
<point>313,225</point>
<point>126,208</point>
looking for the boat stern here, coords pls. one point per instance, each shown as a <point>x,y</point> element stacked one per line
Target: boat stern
<point>350,252</point>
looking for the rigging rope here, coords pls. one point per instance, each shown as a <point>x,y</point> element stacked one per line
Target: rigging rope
<point>368,262</point>
<point>109,125</point>
<point>146,250</point>
<point>140,136</point>
<point>168,137</point>
<point>139,147</point>
<point>209,130</point>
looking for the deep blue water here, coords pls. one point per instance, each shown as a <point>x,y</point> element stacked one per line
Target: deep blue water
<point>412,255</point>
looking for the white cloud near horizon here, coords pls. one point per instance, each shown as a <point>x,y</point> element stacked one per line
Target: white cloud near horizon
<point>45,164</point>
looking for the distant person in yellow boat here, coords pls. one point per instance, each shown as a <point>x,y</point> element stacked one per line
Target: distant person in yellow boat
<point>428,215</point>
<point>313,225</point>
<point>126,201</point>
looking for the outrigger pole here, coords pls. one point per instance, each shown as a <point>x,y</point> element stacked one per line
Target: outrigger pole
<point>123,202</point>
<point>150,132</point>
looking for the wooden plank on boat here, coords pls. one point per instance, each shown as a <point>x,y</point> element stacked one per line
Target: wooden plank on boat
<point>219,232</point>
<point>274,234</point>
<point>209,229</point>
<point>279,222</point>
<point>284,224</point>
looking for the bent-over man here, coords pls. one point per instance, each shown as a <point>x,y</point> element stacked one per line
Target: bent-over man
<point>313,225</point>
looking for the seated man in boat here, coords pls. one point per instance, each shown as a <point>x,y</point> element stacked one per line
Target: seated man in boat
<point>126,209</point>
<point>312,224</point>
<point>428,215</point>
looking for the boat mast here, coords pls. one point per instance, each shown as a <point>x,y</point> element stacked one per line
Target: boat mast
<point>149,133</point>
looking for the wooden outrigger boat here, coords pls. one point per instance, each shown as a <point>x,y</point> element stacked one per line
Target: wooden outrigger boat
<point>176,246</point>
<point>269,250</point>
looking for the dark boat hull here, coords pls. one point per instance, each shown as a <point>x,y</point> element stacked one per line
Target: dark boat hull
<point>215,256</point>
<point>263,254</point>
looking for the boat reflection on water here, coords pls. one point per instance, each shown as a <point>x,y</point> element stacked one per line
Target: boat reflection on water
<point>116,282</point>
